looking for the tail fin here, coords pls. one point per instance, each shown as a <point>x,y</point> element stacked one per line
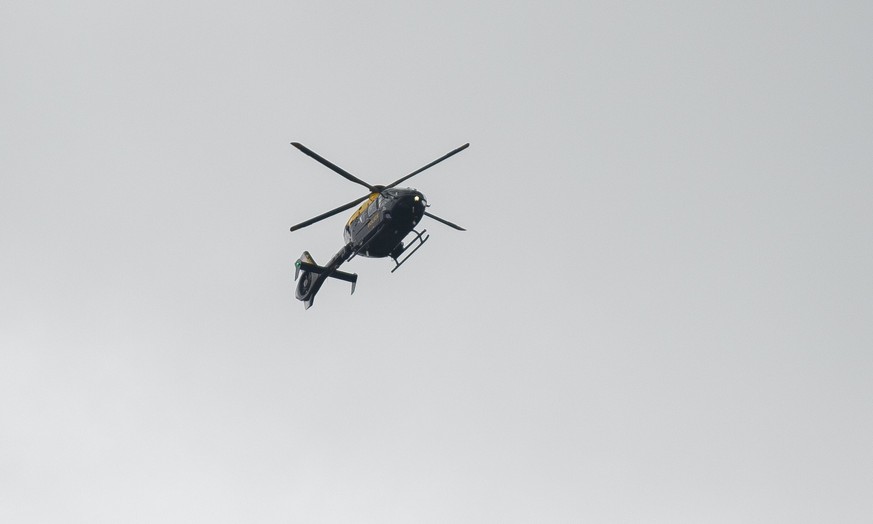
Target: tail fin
<point>315,275</point>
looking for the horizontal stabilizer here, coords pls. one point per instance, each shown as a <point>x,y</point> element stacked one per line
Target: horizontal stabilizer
<point>318,270</point>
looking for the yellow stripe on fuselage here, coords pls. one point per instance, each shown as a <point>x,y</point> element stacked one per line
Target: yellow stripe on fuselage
<point>372,198</point>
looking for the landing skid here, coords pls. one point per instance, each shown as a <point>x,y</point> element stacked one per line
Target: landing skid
<point>418,241</point>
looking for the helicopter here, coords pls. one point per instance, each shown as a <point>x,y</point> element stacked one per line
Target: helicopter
<point>386,216</point>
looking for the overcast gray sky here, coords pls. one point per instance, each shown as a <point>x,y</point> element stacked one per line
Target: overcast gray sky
<point>660,312</point>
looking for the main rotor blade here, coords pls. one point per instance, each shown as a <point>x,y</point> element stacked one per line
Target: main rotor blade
<point>444,221</point>
<point>435,162</point>
<point>330,213</point>
<point>335,168</point>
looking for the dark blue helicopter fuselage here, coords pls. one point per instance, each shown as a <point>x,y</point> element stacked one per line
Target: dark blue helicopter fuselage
<point>381,223</point>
